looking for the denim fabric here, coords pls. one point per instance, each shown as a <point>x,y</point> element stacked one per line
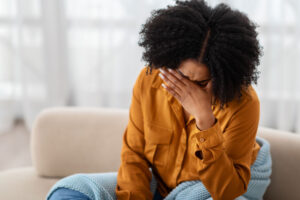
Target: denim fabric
<point>68,194</point>
<point>95,186</point>
<point>157,196</point>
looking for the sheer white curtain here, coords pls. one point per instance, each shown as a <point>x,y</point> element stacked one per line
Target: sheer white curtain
<point>85,53</point>
<point>68,52</point>
<point>33,69</point>
<point>279,83</point>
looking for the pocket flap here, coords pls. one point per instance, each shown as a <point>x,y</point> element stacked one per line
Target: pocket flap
<point>158,134</point>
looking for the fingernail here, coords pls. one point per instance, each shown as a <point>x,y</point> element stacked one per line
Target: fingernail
<point>163,85</point>
<point>161,70</point>
<point>161,75</point>
<point>170,70</point>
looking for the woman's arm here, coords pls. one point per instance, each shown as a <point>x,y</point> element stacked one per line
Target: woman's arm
<point>226,156</point>
<point>134,176</point>
<point>223,158</point>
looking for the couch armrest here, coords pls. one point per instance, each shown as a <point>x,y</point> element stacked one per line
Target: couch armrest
<point>285,152</point>
<point>74,140</point>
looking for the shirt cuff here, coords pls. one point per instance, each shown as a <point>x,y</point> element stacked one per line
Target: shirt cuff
<point>207,143</point>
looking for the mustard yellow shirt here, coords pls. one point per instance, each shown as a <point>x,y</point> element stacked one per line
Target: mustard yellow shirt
<point>158,137</point>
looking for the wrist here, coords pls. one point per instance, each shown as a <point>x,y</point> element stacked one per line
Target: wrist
<point>206,122</point>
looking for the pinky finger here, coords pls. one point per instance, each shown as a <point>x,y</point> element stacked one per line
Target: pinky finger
<point>171,91</point>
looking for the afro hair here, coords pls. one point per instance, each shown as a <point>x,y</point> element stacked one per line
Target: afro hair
<point>223,39</point>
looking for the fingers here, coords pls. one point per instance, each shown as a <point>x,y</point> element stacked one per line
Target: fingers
<point>178,74</point>
<point>172,92</point>
<point>208,87</point>
<point>170,83</point>
<point>179,77</point>
<point>173,77</point>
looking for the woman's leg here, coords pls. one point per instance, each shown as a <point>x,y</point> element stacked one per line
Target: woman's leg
<point>97,186</point>
<point>68,194</point>
<point>157,196</point>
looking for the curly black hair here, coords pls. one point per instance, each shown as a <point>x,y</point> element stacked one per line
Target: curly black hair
<point>223,39</point>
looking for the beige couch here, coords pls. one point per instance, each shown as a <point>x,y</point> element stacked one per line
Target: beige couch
<point>65,141</point>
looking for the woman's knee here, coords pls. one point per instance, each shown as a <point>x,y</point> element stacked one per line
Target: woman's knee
<point>62,189</point>
<point>90,185</point>
<point>65,193</point>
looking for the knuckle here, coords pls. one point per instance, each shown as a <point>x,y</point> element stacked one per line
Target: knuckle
<point>188,92</point>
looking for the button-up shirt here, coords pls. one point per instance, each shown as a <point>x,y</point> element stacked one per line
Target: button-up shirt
<point>158,137</point>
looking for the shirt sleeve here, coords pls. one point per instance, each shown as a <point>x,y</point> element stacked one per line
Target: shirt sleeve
<point>224,158</point>
<point>134,176</point>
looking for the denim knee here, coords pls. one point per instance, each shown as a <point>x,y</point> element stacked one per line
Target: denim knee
<point>67,194</point>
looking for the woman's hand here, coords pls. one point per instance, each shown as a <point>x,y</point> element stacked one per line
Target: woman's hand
<point>194,98</point>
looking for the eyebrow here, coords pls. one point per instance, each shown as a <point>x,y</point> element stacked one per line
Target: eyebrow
<point>190,79</point>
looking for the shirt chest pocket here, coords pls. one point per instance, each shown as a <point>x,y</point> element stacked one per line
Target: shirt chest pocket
<point>157,144</point>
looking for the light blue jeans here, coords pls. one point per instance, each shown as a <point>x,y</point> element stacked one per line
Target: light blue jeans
<point>108,183</point>
<point>66,194</point>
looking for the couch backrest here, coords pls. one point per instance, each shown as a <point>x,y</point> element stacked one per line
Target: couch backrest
<point>71,140</point>
<point>74,140</point>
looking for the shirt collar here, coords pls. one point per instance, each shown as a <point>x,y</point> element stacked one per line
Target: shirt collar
<point>157,80</point>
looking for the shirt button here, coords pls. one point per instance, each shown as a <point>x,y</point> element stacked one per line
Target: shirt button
<point>202,139</point>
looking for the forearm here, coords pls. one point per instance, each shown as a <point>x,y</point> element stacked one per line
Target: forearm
<point>223,179</point>
<point>225,175</point>
<point>205,119</point>
<point>134,176</point>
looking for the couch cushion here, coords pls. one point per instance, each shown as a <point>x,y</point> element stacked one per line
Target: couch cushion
<point>24,183</point>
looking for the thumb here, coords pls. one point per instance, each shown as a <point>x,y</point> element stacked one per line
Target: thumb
<point>208,87</point>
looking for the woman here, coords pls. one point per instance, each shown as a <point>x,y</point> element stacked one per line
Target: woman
<point>194,114</point>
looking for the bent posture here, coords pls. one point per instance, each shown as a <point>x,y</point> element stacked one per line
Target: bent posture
<point>194,114</point>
